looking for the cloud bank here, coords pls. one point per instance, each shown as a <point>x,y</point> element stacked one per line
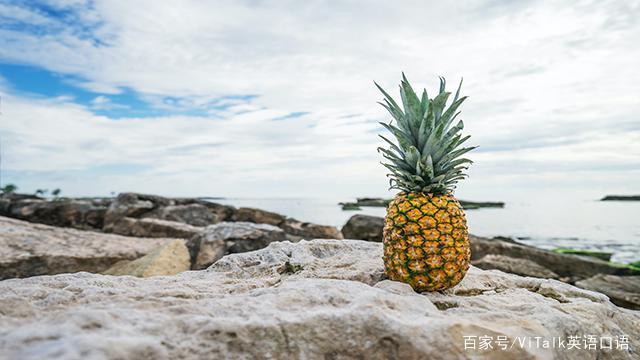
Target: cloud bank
<point>276,98</point>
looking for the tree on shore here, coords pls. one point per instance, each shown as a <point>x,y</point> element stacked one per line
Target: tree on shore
<point>9,189</point>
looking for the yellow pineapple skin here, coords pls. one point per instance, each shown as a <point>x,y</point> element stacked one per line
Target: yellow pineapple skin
<point>426,241</point>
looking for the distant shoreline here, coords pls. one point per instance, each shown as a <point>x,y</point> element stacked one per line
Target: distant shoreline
<point>380,202</point>
<point>621,198</point>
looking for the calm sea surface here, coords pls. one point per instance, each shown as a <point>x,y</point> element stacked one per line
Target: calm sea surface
<point>578,224</point>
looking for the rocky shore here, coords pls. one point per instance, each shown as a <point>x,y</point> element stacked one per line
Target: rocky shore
<point>143,276</point>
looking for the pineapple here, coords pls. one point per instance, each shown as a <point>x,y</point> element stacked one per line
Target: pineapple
<point>426,243</point>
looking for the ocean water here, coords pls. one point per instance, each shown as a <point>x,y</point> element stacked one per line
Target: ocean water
<point>584,224</point>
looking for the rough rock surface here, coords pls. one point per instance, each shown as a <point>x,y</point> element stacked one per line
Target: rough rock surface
<point>322,299</point>
<point>622,290</point>
<point>230,237</point>
<point>523,267</point>
<point>364,227</point>
<point>170,259</point>
<point>28,249</point>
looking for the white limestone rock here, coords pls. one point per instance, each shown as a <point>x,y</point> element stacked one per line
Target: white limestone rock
<point>321,299</point>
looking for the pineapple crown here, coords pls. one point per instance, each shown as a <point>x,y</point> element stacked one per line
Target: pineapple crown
<point>427,156</point>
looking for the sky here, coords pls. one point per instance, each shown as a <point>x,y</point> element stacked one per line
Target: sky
<point>276,98</point>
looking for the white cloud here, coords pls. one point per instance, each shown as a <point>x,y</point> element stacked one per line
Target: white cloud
<point>553,87</point>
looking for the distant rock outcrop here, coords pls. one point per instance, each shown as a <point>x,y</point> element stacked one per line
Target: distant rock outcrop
<point>621,198</point>
<point>380,202</point>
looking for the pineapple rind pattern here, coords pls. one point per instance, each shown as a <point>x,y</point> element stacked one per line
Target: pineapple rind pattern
<point>426,242</point>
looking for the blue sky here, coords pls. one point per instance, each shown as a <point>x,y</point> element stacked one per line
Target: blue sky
<point>277,98</point>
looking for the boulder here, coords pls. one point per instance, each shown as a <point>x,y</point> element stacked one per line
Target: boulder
<point>622,290</point>
<point>307,230</point>
<point>364,227</point>
<point>169,259</point>
<point>569,267</point>
<point>191,214</point>
<point>221,212</point>
<point>230,237</point>
<point>28,249</point>
<point>258,216</point>
<point>130,205</point>
<point>522,267</point>
<point>321,299</point>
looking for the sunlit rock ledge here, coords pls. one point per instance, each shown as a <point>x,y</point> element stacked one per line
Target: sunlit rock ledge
<point>312,299</point>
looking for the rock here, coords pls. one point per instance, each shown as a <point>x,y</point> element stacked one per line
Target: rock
<point>289,225</point>
<point>150,227</point>
<point>86,214</point>
<point>28,249</point>
<point>622,290</point>
<point>258,216</point>
<point>191,214</point>
<point>169,259</point>
<point>162,228</point>
<point>328,259</point>
<point>230,237</point>
<point>321,299</point>
<point>130,205</point>
<point>364,227</point>
<point>522,267</point>
<point>571,267</point>
<point>310,231</point>
<point>221,212</point>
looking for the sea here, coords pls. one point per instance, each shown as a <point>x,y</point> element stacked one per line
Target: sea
<point>582,224</point>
